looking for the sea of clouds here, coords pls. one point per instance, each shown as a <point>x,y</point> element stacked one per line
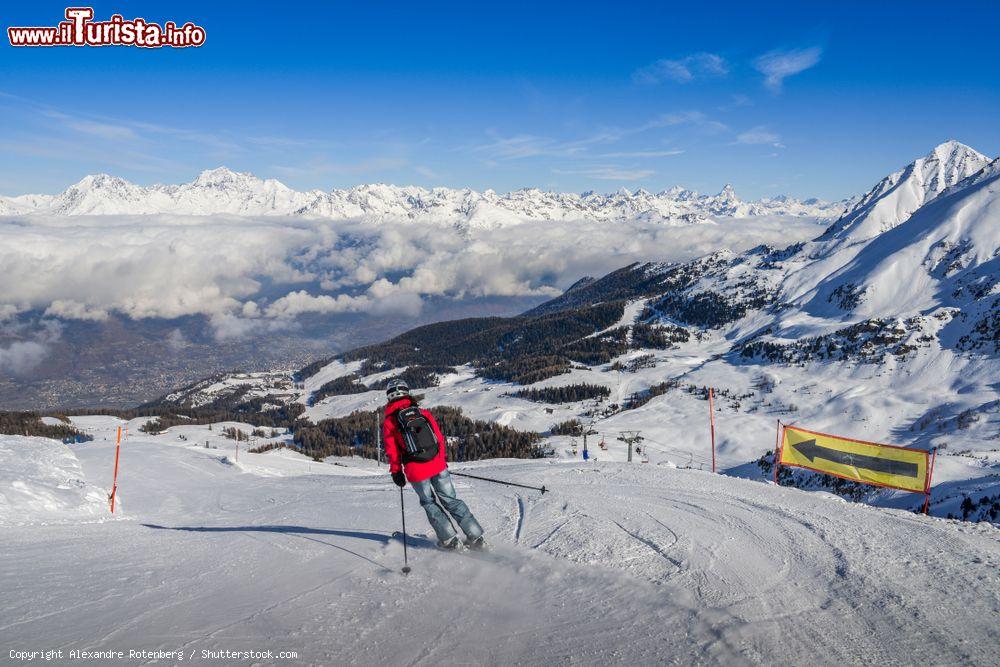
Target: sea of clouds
<point>252,275</point>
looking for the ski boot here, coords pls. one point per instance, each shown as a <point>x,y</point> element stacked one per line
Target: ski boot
<point>478,544</point>
<point>451,544</point>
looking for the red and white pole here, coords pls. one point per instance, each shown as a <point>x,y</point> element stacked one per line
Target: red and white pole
<point>711,420</point>
<point>114,483</point>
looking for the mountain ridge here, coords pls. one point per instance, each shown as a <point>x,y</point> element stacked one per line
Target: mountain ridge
<point>223,191</point>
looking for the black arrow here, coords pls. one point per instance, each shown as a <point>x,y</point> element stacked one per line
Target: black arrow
<point>811,451</point>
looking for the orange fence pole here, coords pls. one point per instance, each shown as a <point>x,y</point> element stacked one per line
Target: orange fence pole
<point>114,483</point>
<point>711,419</point>
<point>777,450</point>
<point>927,487</point>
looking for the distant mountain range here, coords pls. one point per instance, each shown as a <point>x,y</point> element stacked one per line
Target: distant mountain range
<point>221,191</point>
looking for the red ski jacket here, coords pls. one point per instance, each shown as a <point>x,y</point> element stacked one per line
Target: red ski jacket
<point>393,439</point>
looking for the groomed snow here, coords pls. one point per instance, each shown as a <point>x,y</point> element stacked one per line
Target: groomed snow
<point>626,564</point>
<point>41,482</point>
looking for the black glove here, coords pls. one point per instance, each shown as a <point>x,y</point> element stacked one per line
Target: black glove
<point>399,478</point>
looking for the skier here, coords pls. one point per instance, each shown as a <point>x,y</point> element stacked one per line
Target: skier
<point>414,444</point>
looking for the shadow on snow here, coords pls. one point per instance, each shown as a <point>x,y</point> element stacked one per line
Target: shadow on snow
<point>304,532</point>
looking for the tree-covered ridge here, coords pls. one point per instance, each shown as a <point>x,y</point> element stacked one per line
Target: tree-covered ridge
<point>341,386</point>
<point>658,336</point>
<point>570,393</point>
<point>416,377</point>
<point>627,283</point>
<point>468,439</point>
<point>517,349</point>
<point>30,423</point>
<point>229,387</point>
<point>257,411</point>
<point>527,369</point>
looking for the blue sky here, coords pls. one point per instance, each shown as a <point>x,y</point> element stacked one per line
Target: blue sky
<point>796,98</point>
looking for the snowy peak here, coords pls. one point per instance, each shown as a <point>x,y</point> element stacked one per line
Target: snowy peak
<point>728,193</point>
<point>223,176</point>
<point>898,195</point>
<point>944,254</point>
<point>103,194</point>
<point>954,153</point>
<point>948,164</point>
<point>225,191</point>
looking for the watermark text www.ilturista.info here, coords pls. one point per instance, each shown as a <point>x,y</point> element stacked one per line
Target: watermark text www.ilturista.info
<point>80,29</point>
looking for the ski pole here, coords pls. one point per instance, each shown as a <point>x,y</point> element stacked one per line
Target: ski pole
<point>500,481</point>
<point>402,509</point>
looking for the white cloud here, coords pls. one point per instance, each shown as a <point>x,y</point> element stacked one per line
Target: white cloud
<point>682,70</point>
<point>104,130</point>
<point>609,173</point>
<point>776,66</point>
<point>227,326</point>
<point>759,136</point>
<point>176,340</point>
<point>644,154</point>
<point>425,171</point>
<point>21,357</point>
<point>696,119</point>
<point>250,276</point>
<point>35,338</point>
<point>299,302</point>
<point>522,146</point>
<point>68,309</point>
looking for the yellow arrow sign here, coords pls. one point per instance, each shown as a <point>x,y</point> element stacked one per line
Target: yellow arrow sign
<point>857,460</point>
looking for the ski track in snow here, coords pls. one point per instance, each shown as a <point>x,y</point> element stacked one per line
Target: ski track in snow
<point>635,564</point>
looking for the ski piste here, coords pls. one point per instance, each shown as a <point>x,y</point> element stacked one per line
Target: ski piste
<point>278,547</point>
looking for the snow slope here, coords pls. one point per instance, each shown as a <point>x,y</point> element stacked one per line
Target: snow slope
<point>41,482</point>
<point>630,564</point>
<point>222,191</point>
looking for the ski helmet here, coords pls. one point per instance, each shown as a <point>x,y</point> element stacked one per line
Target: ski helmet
<point>396,389</point>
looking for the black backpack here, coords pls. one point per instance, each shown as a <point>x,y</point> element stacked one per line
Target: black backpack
<point>420,443</point>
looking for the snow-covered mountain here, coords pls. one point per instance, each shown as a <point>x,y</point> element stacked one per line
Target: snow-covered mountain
<point>899,194</point>
<point>23,204</point>
<point>893,337</point>
<point>224,191</point>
